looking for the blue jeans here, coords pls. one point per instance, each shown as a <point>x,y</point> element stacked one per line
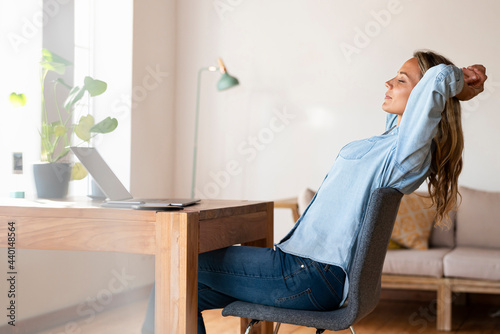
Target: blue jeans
<point>263,276</point>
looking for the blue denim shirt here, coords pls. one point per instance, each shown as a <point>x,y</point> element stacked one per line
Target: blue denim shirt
<point>399,158</point>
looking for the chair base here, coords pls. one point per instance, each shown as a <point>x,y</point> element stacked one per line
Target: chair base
<point>254,322</point>
<point>250,325</point>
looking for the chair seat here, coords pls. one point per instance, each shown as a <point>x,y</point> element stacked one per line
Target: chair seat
<point>331,320</point>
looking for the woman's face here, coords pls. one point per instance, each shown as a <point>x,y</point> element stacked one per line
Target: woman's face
<point>400,87</point>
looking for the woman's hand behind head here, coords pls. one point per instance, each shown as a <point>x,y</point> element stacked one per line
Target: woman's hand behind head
<point>474,78</point>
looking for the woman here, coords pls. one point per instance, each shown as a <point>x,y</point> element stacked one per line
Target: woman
<point>308,270</point>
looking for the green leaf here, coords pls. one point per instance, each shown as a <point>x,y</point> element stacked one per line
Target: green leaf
<point>94,87</point>
<point>46,135</point>
<point>50,135</point>
<point>47,129</point>
<point>74,96</point>
<point>78,172</point>
<point>105,126</point>
<point>56,128</point>
<point>17,100</point>
<point>61,81</point>
<point>59,130</point>
<point>53,62</point>
<point>82,130</point>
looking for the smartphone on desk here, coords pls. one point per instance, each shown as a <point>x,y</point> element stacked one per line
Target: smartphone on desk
<point>157,206</point>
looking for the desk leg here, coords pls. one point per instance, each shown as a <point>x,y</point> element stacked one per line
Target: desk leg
<point>264,327</point>
<point>176,273</point>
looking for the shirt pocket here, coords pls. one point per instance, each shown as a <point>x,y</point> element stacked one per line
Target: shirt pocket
<point>356,149</point>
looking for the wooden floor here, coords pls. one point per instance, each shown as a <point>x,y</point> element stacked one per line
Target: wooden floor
<point>390,317</point>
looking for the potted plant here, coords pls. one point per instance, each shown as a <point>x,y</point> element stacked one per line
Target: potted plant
<point>53,174</point>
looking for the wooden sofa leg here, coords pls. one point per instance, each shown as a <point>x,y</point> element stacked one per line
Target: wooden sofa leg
<point>444,306</point>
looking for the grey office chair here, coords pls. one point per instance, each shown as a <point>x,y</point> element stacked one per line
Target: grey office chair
<point>364,276</point>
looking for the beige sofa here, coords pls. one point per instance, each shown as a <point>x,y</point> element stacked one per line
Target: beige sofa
<point>463,259</point>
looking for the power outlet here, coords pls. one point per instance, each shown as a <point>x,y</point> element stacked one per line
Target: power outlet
<point>17,163</point>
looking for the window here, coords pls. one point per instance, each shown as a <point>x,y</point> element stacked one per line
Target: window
<point>102,45</point>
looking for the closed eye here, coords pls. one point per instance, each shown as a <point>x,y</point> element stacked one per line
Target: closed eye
<point>401,74</point>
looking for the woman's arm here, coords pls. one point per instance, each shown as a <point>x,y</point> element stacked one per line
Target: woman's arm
<point>426,103</point>
<point>422,115</point>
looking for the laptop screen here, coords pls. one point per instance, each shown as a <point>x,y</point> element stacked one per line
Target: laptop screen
<point>102,174</point>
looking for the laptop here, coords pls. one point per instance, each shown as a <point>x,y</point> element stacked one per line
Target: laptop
<point>117,195</point>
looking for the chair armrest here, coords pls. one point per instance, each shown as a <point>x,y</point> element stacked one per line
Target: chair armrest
<point>289,203</point>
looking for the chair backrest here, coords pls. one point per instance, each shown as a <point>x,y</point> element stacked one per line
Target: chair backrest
<point>364,275</point>
<point>372,243</point>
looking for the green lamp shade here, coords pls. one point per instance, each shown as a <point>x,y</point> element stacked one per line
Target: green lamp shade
<point>226,81</point>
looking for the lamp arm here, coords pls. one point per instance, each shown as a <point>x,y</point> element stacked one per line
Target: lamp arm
<point>196,119</point>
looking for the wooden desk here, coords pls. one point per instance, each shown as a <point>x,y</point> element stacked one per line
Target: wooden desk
<point>174,237</point>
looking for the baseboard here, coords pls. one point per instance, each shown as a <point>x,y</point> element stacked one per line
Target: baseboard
<point>71,313</point>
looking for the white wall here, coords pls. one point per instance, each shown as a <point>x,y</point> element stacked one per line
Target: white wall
<point>288,55</point>
<point>153,75</point>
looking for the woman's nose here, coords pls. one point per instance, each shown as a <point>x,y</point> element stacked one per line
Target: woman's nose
<point>388,84</point>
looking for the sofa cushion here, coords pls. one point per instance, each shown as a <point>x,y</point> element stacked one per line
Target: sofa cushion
<point>471,262</point>
<point>414,222</point>
<point>415,262</point>
<point>478,219</point>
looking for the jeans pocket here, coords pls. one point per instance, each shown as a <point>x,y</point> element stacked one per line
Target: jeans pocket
<point>294,266</point>
<point>335,274</point>
<point>328,286</point>
<point>300,301</point>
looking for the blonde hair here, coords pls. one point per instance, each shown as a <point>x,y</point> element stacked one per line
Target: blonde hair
<point>448,145</point>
